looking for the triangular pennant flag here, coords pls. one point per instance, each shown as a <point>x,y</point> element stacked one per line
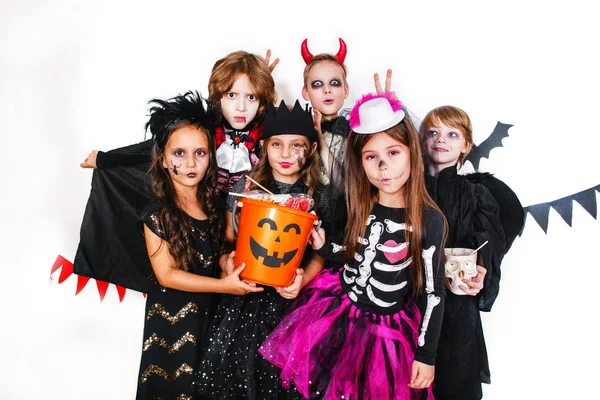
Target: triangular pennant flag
<point>539,212</point>
<point>121,291</point>
<point>64,269</point>
<point>65,272</point>
<point>102,288</point>
<point>564,207</point>
<point>81,282</point>
<point>587,200</point>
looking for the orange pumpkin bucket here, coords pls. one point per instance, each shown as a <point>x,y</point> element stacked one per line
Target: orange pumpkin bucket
<point>271,241</point>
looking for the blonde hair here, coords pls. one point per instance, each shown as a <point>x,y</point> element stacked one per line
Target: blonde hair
<point>323,57</point>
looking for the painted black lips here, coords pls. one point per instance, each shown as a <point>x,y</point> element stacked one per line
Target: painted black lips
<point>270,261</point>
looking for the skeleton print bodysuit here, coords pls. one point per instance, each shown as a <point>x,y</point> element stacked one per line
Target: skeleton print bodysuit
<point>378,279</point>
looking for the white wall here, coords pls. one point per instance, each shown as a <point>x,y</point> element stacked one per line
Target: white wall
<point>76,76</point>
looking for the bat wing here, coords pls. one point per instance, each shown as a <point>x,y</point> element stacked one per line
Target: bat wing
<point>494,140</point>
<point>512,215</point>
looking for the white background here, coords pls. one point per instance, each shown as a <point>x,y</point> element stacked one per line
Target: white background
<point>76,75</point>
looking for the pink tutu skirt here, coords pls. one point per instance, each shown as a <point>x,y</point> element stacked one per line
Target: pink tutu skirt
<point>331,349</point>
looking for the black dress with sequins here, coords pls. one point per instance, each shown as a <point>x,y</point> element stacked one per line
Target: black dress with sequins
<point>176,323</point>
<point>231,367</point>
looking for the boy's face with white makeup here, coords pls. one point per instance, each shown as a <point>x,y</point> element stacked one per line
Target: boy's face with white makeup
<point>186,156</point>
<point>287,156</point>
<point>386,162</point>
<point>444,145</point>
<point>240,104</point>
<point>326,88</point>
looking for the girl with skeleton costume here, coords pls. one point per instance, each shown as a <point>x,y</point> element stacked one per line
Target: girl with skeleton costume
<point>368,328</point>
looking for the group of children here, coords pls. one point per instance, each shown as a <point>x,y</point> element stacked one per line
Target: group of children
<point>367,315</point>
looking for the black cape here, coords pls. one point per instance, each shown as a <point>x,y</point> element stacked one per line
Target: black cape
<point>112,246</point>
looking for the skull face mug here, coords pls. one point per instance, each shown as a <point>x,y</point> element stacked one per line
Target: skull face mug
<point>460,264</point>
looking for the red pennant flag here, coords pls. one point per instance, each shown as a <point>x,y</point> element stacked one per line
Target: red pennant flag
<point>81,282</point>
<point>66,267</point>
<point>65,272</point>
<point>121,291</point>
<point>102,288</point>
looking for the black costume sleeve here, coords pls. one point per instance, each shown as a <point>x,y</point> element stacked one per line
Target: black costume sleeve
<point>434,295</point>
<point>139,153</point>
<point>331,210</point>
<point>331,252</point>
<point>488,227</point>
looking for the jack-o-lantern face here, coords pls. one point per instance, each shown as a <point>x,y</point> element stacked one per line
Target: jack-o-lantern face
<point>284,243</point>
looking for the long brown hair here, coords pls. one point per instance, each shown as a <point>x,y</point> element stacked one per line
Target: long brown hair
<point>227,69</point>
<point>310,174</point>
<point>167,116</point>
<point>361,195</point>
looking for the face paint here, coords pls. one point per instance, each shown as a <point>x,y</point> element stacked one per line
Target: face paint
<point>174,168</point>
<point>187,156</point>
<point>386,162</point>
<point>240,104</point>
<point>384,179</point>
<point>444,145</point>
<point>287,155</point>
<point>301,156</point>
<point>326,88</point>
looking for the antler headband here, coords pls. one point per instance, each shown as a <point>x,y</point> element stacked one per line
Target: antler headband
<point>307,55</point>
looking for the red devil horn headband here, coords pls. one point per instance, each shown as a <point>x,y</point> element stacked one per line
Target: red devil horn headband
<point>307,56</point>
<point>341,54</point>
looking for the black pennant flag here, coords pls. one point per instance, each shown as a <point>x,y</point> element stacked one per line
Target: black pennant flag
<point>587,200</point>
<point>564,207</point>
<point>539,212</point>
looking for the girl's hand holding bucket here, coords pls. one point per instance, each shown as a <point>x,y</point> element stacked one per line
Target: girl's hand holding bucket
<point>292,291</point>
<point>232,284</point>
